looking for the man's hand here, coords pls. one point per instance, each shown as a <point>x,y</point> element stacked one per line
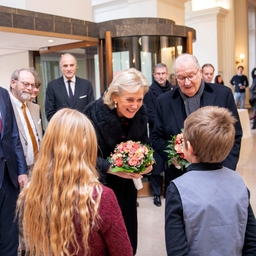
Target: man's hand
<point>23,180</point>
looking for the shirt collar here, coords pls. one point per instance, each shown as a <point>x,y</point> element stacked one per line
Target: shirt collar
<point>17,102</point>
<point>72,80</point>
<point>204,166</point>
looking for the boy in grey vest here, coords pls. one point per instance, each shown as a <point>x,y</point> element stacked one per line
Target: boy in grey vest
<point>208,210</point>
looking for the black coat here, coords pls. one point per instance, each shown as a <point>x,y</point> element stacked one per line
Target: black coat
<point>170,116</point>
<point>108,129</point>
<point>150,104</point>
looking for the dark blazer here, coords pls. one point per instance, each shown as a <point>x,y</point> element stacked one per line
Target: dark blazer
<point>170,116</point>
<point>108,130</point>
<point>150,101</point>
<point>57,97</point>
<point>11,151</point>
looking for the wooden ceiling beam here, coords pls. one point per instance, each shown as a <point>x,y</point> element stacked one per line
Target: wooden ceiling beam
<point>65,47</point>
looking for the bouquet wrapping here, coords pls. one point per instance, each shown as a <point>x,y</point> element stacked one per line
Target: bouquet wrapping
<point>175,152</point>
<point>133,157</point>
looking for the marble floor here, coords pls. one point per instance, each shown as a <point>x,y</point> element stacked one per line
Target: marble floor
<point>151,240</point>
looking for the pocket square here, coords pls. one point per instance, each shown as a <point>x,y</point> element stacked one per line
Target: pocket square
<point>82,96</point>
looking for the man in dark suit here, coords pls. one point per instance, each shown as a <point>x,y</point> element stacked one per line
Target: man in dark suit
<point>68,91</point>
<point>13,173</point>
<point>174,106</point>
<point>159,86</point>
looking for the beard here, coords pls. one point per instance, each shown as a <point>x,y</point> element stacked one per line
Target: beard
<point>25,96</point>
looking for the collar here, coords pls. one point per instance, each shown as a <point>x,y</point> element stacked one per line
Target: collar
<point>17,102</point>
<point>73,80</point>
<point>204,167</point>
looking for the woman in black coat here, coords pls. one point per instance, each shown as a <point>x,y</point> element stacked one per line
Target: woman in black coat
<point>117,117</point>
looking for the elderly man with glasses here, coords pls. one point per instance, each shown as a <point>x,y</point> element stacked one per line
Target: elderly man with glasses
<point>28,119</point>
<point>192,93</point>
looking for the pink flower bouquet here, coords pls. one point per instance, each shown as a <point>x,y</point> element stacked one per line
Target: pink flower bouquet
<point>175,152</point>
<point>131,157</point>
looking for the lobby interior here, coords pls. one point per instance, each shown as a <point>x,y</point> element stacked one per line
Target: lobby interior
<point>220,39</point>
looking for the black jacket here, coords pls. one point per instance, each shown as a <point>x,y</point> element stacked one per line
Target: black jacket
<point>170,116</point>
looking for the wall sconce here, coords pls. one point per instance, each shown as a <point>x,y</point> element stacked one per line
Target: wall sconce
<point>240,59</point>
<point>172,52</point>
<point>179,49</point>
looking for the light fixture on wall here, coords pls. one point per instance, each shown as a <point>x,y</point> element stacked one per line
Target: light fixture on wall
<point>240,59</point>
<point>179,49</point>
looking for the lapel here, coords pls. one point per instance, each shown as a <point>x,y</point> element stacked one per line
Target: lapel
<point>156,90</point>
<point>34,110</point>
<point>208,98</point>
<point>63,90</point>
<point>78,90</point>
<point>178,108</point>
<point>19,123</point>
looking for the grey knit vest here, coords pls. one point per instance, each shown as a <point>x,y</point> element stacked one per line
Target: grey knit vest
<point>215,210</point>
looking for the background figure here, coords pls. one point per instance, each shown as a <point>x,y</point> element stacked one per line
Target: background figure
<point>37,85</point>
<point>218,80</point>
<point>29,123</point>
<point>81,215</point>
<point>68,91</point>
<point>204,225</point>
<point>13,173</point>
<point>172,80</point>
<point>208,72</point>
<point>159,86</point>
<point>174,106</point>
<point>118,117</point>
<point>253,94</point>
<point>240,82</point>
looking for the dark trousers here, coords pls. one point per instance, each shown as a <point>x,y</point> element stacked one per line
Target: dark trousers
<point>156,184</point>
<point>8,224</point>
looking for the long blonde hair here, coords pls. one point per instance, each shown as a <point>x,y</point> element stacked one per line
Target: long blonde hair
<point>64,184</point>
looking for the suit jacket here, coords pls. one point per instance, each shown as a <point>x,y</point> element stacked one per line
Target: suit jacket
<point>150,101</point>
<point>170,116</point>
<point>34,110</point>
<point>11,151</point>
<point>57,97</point>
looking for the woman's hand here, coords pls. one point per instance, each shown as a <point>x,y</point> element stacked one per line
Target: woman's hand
<point>132,175</point>
<point>148,170</point>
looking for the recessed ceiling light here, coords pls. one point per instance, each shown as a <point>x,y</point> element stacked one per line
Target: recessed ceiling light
<point>50,41</point>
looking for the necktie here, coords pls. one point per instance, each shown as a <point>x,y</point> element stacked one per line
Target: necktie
<point>31,133</point>
<point>71,96</point>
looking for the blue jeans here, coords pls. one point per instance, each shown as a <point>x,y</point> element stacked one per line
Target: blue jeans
<point>239,97</point>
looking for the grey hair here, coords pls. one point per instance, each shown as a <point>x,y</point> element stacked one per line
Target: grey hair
<point>16,73</point>
<point>64,55</point>
<point>129,80</point>
<point>183,58</point>
<point>160,65</point>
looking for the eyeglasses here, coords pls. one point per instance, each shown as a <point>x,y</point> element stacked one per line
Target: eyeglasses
<point>26,84</point>
<point>189,77</point>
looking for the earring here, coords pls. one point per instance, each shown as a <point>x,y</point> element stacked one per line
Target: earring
<point>115,104</point>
